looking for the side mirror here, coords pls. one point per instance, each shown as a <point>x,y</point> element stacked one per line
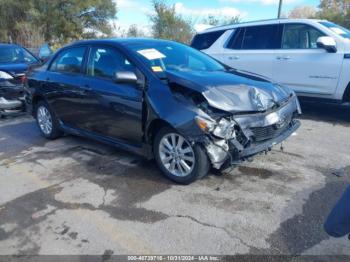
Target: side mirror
<point>125,77</point>
<point>45,52</point>
<point>327,43</point>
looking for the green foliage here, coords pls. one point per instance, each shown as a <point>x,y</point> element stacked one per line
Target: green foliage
<point>134,31</point>
<point>167,24</point>
<point>303,12</point>
<point>218,21</point>
<point>57,20</point>
<point>337,11</point>
<point>10,12</point>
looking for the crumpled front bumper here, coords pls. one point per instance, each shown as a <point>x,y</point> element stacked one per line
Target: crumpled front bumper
<point>260,147</point>
<point>13,106</point>
<point>11,98</point>
<point>258,133</point>
<point>9,104</point>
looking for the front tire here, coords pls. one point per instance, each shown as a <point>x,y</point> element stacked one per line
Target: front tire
<point>179,160</point>
<point>46,121</point>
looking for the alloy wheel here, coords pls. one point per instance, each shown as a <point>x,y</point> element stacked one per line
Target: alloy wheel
<point>176,155</point>
<point>44,120</point>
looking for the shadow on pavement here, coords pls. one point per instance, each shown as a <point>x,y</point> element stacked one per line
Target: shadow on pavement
<point>333,114</point>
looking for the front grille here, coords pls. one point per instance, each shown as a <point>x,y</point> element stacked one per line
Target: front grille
<point>268,132</point>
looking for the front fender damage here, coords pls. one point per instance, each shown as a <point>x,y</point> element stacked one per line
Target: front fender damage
<point>217,149</point>
<point>254,132</point>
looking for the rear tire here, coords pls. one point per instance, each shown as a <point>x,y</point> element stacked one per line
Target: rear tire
<point>178,159</point>
<point>47,121</point>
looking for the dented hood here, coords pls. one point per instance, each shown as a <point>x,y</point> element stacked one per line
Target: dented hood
<point>233,91</point>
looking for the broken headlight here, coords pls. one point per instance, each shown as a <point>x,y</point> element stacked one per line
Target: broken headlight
<point>223,128</point>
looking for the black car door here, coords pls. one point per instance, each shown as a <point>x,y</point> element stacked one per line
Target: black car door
<point>115,109</point>
<point>63,86</point>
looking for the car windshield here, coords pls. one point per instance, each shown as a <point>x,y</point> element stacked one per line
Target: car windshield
<point>165,56</point>
<point>16,54</point>
<point>339,30</point>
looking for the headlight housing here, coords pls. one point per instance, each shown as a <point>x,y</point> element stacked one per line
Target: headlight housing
<point>6,76</point>
<point>223,128</point>
<point>205,125</point>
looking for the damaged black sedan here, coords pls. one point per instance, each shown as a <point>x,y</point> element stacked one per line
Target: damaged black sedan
<point>14,62</point>
<point>161,99</point>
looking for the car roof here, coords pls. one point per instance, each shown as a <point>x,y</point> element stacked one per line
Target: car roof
<point>122,41</point>
<point>259,22</point>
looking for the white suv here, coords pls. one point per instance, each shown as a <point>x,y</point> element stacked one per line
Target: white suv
<point>310,56</point>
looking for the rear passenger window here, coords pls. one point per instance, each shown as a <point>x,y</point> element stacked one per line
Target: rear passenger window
<point>206,40</point>
<point>256,38</point>
<point>237,39</point>
<point>300,36</point>
<point>69,61</point>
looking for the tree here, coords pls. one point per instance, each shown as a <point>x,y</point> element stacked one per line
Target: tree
<point>13,14</point>
<point>73,19</point>
<point>57,20</point>
<point>337,11</point>
<point>339,6</point>
<point>302,12</point>
<point>218,21</point>
<point>134,31</point>
<point>167,24</point>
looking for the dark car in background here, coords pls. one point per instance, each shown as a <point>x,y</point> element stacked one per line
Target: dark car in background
<point>14,62</point>
<point>160,99</point>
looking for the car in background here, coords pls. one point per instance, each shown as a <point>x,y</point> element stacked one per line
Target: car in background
<point>163,100</point>
<point>14,62</point>
<point>312,57</point>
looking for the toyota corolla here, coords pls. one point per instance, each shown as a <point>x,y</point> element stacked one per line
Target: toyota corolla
<point>163,100</point>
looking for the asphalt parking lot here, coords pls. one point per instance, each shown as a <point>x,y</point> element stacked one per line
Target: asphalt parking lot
<point>75,196</point>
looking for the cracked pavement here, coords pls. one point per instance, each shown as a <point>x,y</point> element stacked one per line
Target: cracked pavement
<point>75,196</point>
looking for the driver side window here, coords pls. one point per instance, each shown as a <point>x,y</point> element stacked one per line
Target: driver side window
<point>300,36</point>
<point>69,61</point>
<point>105,62</point>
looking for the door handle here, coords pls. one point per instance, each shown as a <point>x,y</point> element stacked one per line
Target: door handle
<point>283,58</point>
<point>233,57</point>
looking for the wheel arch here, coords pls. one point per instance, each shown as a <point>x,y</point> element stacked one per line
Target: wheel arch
<point>153,127</point>
<point>35,100</point>
<point>346,96</point>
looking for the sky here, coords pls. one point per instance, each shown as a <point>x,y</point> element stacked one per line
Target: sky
<point>138,11</point>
